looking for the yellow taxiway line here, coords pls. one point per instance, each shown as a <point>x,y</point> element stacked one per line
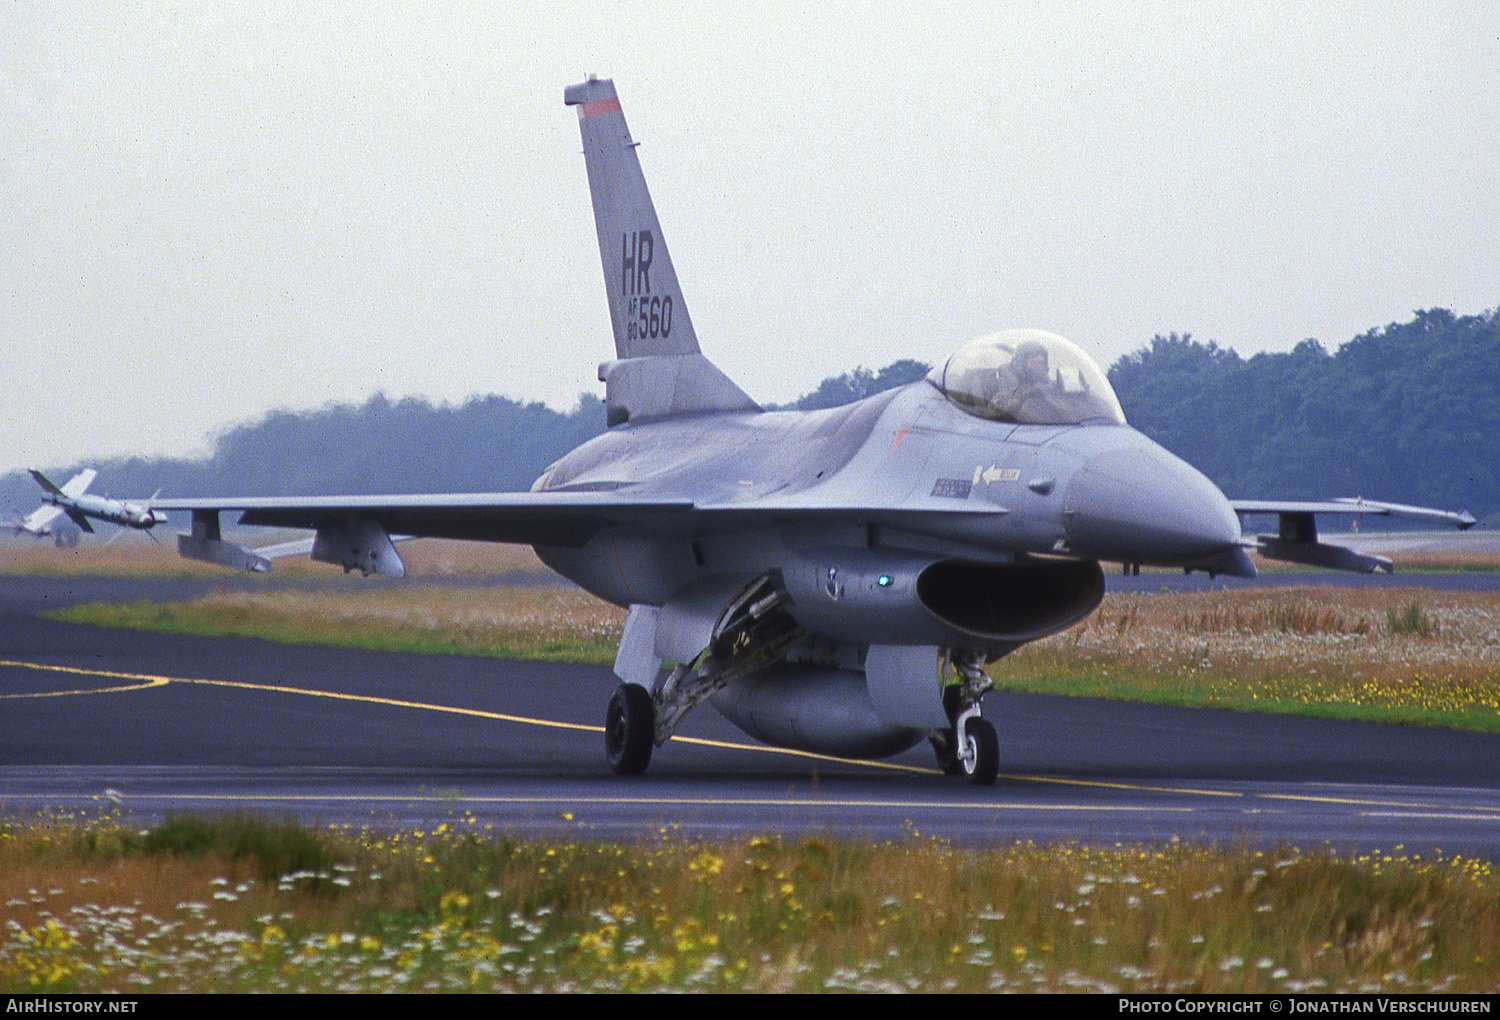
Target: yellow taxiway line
<point>145,681</point>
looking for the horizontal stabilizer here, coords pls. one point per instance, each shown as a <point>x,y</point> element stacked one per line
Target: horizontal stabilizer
<point>78,518</point>
<point>646,389</point>
<point>46,483</point>
<point>72,488</point>
<point>36,521</point>
<point>79,483</point>
<point>296,547</point>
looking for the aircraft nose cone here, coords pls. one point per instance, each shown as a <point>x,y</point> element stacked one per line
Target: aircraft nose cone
<point>1143,505</point>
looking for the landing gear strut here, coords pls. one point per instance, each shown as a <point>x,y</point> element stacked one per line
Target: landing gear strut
<point>629,730</point>
<point>751,633</point>
<point>971,748</point>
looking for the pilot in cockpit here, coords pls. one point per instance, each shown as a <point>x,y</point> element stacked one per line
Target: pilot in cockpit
<point>1022,385</point>
<point>1030,365</point>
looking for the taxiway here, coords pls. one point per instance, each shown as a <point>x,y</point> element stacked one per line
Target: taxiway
<point>95,719</point>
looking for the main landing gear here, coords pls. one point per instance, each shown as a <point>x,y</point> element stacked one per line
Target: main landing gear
<point>750,634</point>
<point>971,748</point>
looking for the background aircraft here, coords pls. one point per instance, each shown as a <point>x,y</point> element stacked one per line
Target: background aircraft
<point>73,500</point>
<point>836,580</point>
<point>42,522</point>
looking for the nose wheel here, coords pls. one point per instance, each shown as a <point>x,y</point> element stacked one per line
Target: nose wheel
<point>977,748</point>
<point>629,730</point>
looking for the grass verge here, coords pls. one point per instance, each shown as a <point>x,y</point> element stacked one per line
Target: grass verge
<point>1380,655</point>
<point>240,904</point>
<point>551,624</point>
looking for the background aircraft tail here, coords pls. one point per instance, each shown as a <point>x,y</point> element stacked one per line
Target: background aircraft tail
<point>72,488</point>
<point>660,371</point>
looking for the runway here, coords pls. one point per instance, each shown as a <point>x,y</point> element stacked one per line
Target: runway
<point>99,719</point>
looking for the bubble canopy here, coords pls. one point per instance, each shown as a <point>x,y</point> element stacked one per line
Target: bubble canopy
<point>1028,377</point>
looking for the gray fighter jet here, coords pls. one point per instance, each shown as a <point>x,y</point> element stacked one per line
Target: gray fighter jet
<point>834,581</point>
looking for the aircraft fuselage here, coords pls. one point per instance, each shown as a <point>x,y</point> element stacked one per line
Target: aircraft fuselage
<point>113,511</point>
<point>953,488</point>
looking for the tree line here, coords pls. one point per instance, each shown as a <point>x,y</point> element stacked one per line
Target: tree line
<point>1409,413</point>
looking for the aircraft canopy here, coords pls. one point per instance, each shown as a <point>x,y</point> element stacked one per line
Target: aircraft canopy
<point>1028,377</point>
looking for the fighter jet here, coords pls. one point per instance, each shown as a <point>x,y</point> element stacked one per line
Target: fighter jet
<point>73,499</point>
<point>835,581</point>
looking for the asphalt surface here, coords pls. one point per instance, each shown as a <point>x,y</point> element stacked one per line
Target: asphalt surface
<point>97,719</point>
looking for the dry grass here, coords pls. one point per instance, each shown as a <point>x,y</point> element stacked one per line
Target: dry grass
<point>129,557</point>
<point>1410,654</point>
<point>492,620</point>
<point>1438,562</point>
<point>1291,627</point>
<point>549,622</point>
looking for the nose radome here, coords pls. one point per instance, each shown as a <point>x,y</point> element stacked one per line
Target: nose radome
<point>1141,504</point>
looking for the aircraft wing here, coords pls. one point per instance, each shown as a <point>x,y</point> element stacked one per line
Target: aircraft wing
<point>530,518</point>
<point>368,524</point>
<point>39,518</point>
<point>1352,506</point>
<point>1297,541</point>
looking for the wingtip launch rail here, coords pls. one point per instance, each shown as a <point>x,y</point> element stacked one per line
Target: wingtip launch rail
<point>1297,541</point>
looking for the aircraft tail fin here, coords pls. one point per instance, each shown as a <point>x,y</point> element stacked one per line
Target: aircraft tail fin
<point>45,483</point>
<point>72,488</point>
<point>646,308</point>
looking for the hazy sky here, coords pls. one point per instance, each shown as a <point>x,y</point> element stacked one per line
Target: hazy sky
<point>209,210</point>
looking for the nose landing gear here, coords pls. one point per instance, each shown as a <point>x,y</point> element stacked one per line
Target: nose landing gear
<point>971,748</point>
<point>977,748</point>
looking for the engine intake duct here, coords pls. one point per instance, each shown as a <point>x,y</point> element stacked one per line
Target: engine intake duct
<point>1016,602</point>
<point>867,596</point>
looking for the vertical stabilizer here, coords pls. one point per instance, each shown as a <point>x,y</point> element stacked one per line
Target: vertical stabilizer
<point>659,371</point>
<point>645,301</point>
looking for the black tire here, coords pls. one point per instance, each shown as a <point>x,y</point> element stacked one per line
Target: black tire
<point>984,766</point>
<point>629,730</point>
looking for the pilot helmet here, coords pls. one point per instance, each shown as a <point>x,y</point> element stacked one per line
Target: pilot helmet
<point>1030,362</point>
